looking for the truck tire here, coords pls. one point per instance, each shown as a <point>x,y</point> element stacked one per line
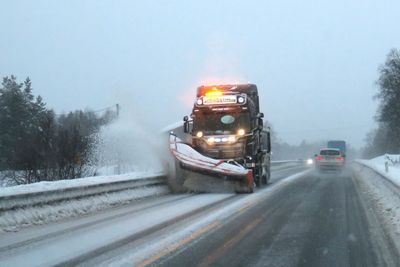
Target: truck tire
<point>259,172</point>
<point>175,178</point>
<point>266,176</point>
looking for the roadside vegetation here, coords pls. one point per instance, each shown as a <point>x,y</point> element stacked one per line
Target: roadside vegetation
<point>38,145</point>
<point>386,138</point>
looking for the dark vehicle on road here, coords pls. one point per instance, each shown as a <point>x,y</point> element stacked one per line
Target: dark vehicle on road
<point>227,125</point>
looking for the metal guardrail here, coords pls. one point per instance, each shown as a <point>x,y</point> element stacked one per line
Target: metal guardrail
<point>8,202</point>
<point>21,200</point>
<point>283,162</point>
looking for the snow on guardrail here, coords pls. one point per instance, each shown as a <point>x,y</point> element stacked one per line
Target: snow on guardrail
<point>40,203</point>
<point>46,192</point>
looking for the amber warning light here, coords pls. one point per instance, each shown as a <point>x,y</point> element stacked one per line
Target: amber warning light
<point>215,96</point>
<point>213,92</point>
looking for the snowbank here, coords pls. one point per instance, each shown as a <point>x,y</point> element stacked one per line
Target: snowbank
<point>379,165</point>
<point>384,197</point>
<point>14,220</point>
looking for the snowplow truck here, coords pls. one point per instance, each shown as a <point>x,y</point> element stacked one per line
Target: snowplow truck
<point>226,129</point>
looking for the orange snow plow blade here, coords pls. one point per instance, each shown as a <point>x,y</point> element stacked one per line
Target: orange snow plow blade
<point>194,162</point>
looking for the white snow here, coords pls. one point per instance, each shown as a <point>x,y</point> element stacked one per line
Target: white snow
<point>378,164</point>
<point>141,254</point>
<point>189,156</point>
<point>75,183</point>
<point>86,239</point>
<point>71,244</point>
<point>385,197</point>
<point>14,220</point>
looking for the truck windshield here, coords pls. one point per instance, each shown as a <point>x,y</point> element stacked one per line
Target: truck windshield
<point>221,123</point>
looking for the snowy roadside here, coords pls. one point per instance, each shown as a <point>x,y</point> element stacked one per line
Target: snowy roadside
<point>70,184</point>
<point>384,198</point>
<point>14,220</point>
<point>44,202</point>
<point>379,164</point>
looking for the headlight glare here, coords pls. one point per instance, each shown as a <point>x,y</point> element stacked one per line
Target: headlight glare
<point>241,132</point>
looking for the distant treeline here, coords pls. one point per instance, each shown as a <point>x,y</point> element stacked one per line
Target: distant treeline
<point>304,150</point>
<point>386,138</point>
<point>38,145</point>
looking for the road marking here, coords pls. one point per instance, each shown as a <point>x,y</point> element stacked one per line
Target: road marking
<point>180,243</point>
<point>249,201</point>
<point>231,242</point>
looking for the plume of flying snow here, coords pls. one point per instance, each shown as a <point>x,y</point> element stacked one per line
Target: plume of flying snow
<point>128,144</point>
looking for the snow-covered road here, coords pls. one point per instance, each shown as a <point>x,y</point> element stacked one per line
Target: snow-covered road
<point>303,218</point>
<point>86,238</point>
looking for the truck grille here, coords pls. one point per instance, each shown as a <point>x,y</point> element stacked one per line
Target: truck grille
<point>224,151</point>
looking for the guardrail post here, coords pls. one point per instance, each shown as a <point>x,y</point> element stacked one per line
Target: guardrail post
<point>386,166</point>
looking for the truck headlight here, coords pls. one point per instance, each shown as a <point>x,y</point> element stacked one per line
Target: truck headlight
<point>199,134</point>
<point>231,139</point>
<point>241,132</point>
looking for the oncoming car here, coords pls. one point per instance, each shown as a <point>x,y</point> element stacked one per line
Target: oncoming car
<point>329,159</point>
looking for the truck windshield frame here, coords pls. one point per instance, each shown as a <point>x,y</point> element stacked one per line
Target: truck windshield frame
<point>221,122</point>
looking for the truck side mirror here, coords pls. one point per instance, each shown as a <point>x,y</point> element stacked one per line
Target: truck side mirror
<point>260,115</point>
<point>268,142</point>
<point>186,124</point>
<point>186,127</point>
<point>260,123</point>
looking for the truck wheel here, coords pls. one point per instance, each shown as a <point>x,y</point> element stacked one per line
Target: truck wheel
<point>266,176</point>
<point>258,177</point>
<point>175,178</point>
<point>264,179</point>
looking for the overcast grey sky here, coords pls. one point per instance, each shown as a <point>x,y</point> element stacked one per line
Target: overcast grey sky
<point>315,62</point>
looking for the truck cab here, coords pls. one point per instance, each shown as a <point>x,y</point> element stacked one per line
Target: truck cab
<point>226,124</point>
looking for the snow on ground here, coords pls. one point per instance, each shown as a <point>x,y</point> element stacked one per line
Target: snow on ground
<point>385,197</point>
<point>64,184</point>
<point>16,219</point>
<point>163,244</point>
<point>393,164</point>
